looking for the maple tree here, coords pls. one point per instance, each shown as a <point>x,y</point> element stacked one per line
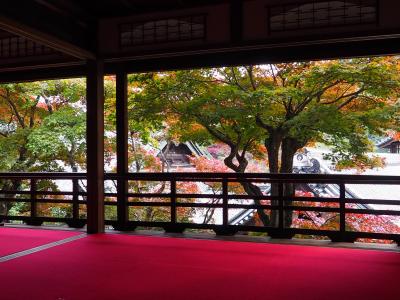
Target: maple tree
<point>330,221</point>
<point>282,106</point>
<point>42,128</point>
<point>144,155</point>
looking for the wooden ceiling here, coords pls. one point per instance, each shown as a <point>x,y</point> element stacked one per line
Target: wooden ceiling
<point>113,8</point>
<point>68,33</point>
<point>84,14</point>
<point>75,21</point>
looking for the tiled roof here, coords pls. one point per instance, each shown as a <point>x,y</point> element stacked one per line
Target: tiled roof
<point>369,191</point>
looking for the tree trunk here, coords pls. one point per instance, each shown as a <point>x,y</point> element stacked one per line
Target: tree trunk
<point>273,144</point>
<point>253,190</point>
<point>289,148</point>
<point>250,189</point>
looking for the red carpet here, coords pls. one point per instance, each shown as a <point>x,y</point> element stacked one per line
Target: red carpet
<point>131,267</point>
<point>14,240</point>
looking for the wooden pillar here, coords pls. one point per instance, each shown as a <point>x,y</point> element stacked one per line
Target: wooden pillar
<point>122,148</point>
<point>95,146</point>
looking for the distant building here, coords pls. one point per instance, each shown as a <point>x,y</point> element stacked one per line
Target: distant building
<point>391,145</point>
<point>177,155</point>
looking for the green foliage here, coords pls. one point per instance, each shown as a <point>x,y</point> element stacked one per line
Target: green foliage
<point>45,121</point>
<point>62,136</point>
<point>194,106</point>
<point>41,125</point>
<point>64,91</point>
<point>339,103</point>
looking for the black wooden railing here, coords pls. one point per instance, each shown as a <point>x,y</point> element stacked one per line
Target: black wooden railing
<point>277,202</point>
<point>125,202</point>
<point>25,188</point>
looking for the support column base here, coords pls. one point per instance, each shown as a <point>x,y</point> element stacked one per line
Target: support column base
<point>124,227</point>
<point>76,223</point>
<point>342,239</point>
<point>225,231</point>
<point>283,235</point>
<point>34,222</point>
<point>174,228</point>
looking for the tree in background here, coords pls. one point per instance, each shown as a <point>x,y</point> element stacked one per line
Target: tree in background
<point>144,155</point>
<point>283,106</point>
<point>330,221</point>
<point>41,122</point>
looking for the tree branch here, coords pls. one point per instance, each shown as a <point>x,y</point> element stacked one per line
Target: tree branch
<point>249,70</point>
<point>14,109</point>
<point>260,123</point>
<point>236,80</point>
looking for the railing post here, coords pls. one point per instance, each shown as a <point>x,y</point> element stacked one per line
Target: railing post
<point>33,199</point>
<point>173,201</point>
<point>342,209</point>
<point>225,202</point>
<point>342,235</point>
<point>122,201</point>
<point>33,220</point>
<point>281,208</point>
<point>226,228</point>
<point>281,232</point>
<point>75,199</point>
<point>173,226</point>
<point>75,222</point>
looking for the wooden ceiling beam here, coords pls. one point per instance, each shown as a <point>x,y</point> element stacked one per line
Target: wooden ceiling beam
<point>128,4</point>
<point>48,72</point>
<point>257,54</point>
<point>236,21</point>
<point>45,38</point>
<point>59,8</point>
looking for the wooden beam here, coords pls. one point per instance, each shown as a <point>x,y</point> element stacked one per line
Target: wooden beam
<point>60,8</point>
<point>95,146</point>
<point>42,72</point>
<point>257,54</point>
<point>236,20</point>
<point>122,148</point>
<point>44,38</point>
<point>128,4</point>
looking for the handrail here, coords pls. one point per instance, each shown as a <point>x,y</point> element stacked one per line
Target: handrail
<point>42,175</point>
<point>328,178</point>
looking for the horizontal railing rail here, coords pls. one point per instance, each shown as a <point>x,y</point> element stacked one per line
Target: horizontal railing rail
<point>172,199</point>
